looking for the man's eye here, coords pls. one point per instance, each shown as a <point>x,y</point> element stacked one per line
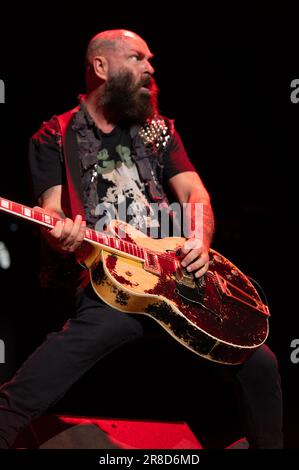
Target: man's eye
<point>136,57</point>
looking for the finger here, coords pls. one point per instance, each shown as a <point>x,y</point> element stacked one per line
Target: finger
<point>62,231</point>
<point>76,227</point>
<point>68,225</point>
<point>192,244</point>
<point>74,230</point>
<point>191,256</point>
<point>78,234</point>
<point>195,253</point>
<point>82,231</point>
<point>56,232</point>
<point>198,264</point>
<point>202,271</point>
<point>74,239</point>
<point>38,209</point>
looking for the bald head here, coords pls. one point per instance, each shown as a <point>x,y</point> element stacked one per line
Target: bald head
<point>110,52</point>
<point>108,41</point>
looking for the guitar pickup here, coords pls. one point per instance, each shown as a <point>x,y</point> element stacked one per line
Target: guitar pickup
<point>233,293</point>
<point>151,262</point>
<point>182,276</point>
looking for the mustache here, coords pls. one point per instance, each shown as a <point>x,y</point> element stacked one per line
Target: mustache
<point>149,82</point>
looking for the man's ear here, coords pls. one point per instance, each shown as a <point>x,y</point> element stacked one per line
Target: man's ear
<point>100,66</point>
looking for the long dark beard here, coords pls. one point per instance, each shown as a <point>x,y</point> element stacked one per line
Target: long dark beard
<point>124,100</point>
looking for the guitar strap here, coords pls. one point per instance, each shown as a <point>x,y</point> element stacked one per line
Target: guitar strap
<point>72,165</point>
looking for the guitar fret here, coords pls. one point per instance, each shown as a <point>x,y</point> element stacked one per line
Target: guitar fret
<point>122,246</point>
<point>88,234</point>
<point>13,206</point>
<point>38,216</point>
<point>101,238</point>
<point>112,242</point>
<point>141,252</point>
<point>98,237</point>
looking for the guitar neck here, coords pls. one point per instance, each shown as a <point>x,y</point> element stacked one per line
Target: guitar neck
<point>111,244</point>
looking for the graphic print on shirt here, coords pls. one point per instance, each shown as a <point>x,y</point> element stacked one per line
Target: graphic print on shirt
<point>125,198</point>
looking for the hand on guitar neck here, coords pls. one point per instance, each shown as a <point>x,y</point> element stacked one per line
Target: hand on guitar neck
<point>67,236</point>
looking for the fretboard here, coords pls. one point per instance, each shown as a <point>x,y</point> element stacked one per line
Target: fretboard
<point>113,244</point>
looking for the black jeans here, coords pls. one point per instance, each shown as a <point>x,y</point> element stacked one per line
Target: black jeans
<point>95,331</point>
<point>259,395</point>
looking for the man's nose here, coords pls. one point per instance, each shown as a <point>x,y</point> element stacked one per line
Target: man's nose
<point>148,67</point>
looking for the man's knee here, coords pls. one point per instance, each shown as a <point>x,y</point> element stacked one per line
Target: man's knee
<point>121,328</point>
<point>265,359</point>
<point>262,364</point>
<point>130,326</point>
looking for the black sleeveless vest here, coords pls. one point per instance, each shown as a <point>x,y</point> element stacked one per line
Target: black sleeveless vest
<point>80,150</point>
<point>80,196</point>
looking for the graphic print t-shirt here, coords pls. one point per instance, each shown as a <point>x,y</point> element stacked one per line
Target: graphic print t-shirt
<point>121,193</point>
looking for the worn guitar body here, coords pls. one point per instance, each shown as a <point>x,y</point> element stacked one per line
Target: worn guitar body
<point>219,317</point>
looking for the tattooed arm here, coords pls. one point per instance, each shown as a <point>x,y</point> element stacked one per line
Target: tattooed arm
<point>193,196</point>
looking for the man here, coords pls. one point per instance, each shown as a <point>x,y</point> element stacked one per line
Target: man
<point>121,146</point>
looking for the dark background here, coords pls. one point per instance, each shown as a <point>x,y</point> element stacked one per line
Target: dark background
<point>224,74</point>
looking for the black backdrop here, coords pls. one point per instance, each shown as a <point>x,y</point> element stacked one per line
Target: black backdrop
<point>224,74</point>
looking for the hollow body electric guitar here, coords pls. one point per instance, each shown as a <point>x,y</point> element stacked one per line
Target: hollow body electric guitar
<point>219,316</point>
